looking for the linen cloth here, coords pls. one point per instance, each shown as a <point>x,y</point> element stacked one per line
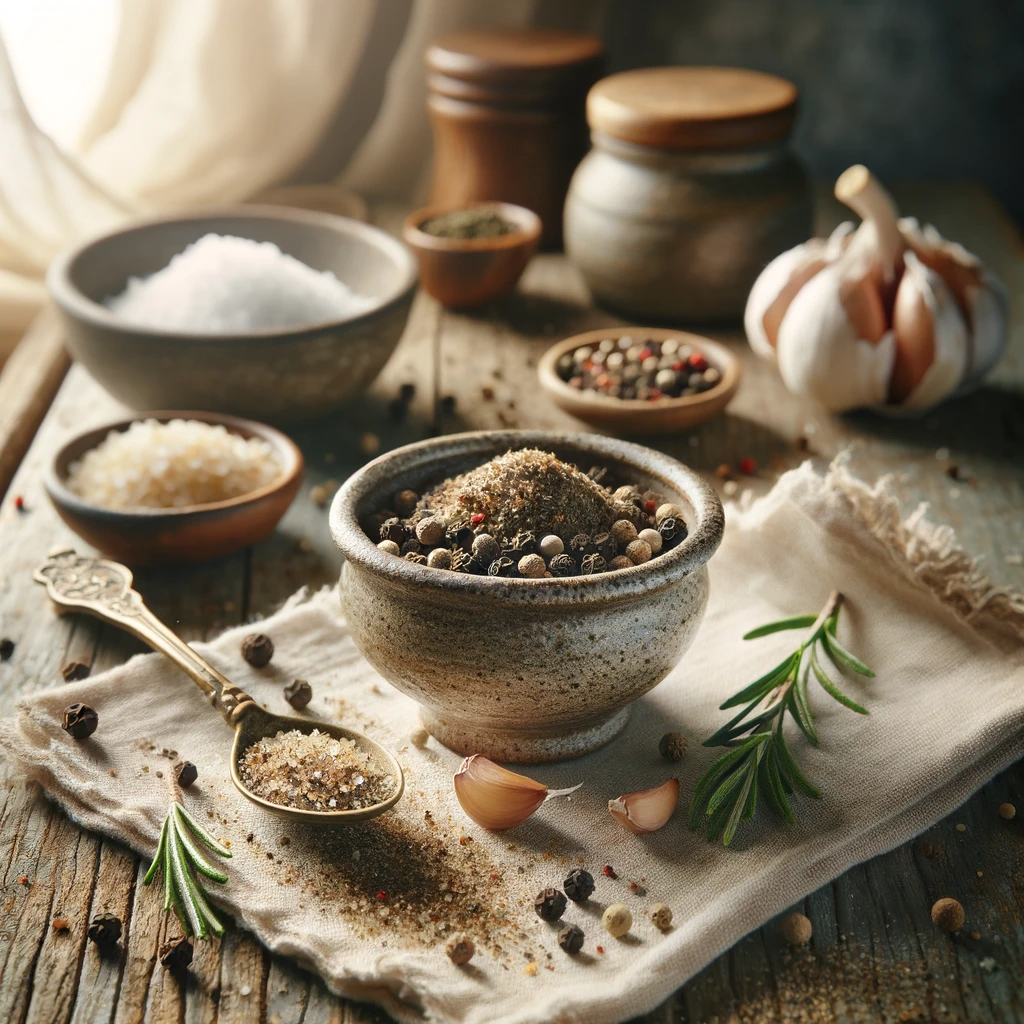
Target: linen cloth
<point>947,707</point>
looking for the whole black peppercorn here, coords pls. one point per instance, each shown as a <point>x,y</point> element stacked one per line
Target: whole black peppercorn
<point>579,886</point>
<point>562,565</point>
<point>80,720</point>
<point>524,543</point>
<point>459,535</point>
<point>605,546</point>
<point>392,529</point>
<point>592,563</point>
<point>580,543</point>
<point>258,649</point>
<point>6,648</point>
<point>570,939</point>
<point>176,955</point>
<point>405,502</point>
<point>416,557</point>
<point>105,929</point>
<point>412,547</point>
<point>549,904</point>
<point>298,693</point>
<point>500,566</point>
<point>185,772</point>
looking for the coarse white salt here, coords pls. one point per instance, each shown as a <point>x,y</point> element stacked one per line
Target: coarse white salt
<point>170,465</point>
<point>222,284</point>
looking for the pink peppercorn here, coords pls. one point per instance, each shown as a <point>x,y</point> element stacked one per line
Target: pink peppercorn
<point>748,466</point>
<point>478,518</point>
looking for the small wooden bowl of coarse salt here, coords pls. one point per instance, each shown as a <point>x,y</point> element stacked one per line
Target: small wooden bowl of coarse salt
<point>168,487</point>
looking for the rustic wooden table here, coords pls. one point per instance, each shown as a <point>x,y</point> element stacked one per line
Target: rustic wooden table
<point>875,955</point>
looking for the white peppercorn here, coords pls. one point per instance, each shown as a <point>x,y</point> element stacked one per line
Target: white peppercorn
<point>652,538</point>
<point>551,545</point>
<point>440,558</point>
<point>617,920</point>
<point>660,915</point>
<point>667,511</point>
<point>429,531</point>
<point>620,562</point>
<point>532,566</point>
<point>485,548</point>
<point>624,532</point>
<point>638,552</point>
<point>389,547</point>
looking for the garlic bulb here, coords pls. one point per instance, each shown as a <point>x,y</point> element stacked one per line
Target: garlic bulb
<point>647,809</point>
<point>496,798</point>
<point>889,315</point>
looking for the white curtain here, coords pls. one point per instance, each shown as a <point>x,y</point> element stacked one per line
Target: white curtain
<point>214,101</point>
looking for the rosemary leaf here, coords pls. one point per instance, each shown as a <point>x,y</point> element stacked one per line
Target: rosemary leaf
<point>197,860</point>
<point>831,689</point>
<point>840,653</point>
<point>202,834</point>
<point>796,622</point>
<point>158,856</point>
<point>760,688</point>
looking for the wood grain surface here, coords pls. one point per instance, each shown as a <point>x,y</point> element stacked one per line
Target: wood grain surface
<point>875,956</point>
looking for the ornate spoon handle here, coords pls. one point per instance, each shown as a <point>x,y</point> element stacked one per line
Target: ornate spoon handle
<point>103,589</point>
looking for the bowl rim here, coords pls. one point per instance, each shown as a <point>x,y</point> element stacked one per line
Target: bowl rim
<point>54,479</point>
<point>75,303</point>
<point>528,223</point>
<point>730,365</point>
<point>701,542</point>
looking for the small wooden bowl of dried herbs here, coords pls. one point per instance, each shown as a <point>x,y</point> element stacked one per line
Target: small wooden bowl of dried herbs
<point>473,253</point>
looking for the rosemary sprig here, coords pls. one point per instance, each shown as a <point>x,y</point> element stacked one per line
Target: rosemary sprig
<point>759,762</point>
<point>180,860</point>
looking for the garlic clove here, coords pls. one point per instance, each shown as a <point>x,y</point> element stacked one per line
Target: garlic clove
<point>981,295</point>
<point>496,798</point>
<point>931,339</point>
<point>779,282</point>
<point>646,810</point>
<point>822,355</point>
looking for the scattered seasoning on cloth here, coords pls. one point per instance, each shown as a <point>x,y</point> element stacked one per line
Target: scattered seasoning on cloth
<point>313,771</point>
<point>222,284</point>
<point>476,222</point>
<point>171,465</point>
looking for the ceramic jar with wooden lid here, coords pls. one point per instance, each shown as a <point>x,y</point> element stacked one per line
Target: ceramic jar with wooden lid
<point>689,191</point>
<point>508,114</point>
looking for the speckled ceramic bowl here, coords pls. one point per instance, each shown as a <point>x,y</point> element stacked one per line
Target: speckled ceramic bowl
<point>523,670</point>
<point>272,374</point>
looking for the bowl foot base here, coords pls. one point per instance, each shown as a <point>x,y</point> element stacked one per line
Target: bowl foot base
<point>522,747</point>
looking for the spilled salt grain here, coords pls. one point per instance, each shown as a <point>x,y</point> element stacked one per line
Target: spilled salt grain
<point>222,284</point>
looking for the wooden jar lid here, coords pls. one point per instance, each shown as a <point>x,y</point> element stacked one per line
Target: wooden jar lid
<point>524,64</point>
<point>693,107</point>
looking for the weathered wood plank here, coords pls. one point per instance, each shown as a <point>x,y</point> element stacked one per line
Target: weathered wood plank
<point>29,381</point>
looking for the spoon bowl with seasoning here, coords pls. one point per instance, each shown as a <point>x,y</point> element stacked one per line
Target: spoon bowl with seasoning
<point>472,253</point>
<point>103,589</point>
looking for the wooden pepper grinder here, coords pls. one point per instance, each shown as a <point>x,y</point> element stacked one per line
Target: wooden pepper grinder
<point>508,114</point>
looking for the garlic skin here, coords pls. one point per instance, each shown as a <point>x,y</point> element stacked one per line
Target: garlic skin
<point>497,799</point>
<point>889,316</point>
<point>647,810</point>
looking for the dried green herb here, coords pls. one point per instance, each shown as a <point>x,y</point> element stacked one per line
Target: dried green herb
<point>180,860</point>
<point>759,762</point>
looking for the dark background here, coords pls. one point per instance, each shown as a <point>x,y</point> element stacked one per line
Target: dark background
<point>912,88</point>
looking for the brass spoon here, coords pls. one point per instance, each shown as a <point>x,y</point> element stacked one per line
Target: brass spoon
<point>103,589</point>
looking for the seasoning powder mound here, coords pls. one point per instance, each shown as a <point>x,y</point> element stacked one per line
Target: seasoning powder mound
<point>525,491</point>
<point>313,771</point>
<point>171,465</point>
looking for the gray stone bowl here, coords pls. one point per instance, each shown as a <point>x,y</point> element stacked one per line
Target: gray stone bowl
<point>523,670</point>
<point>277,374</point>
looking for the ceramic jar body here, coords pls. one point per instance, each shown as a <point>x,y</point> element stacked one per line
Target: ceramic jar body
<point>682,236</point>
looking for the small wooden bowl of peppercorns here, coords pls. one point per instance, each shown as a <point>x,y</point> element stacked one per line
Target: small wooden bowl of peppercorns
<point>640,380</point>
